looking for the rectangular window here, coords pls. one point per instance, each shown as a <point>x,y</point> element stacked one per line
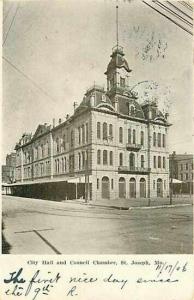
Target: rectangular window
<point>181,167</point>
<point>154,139</point>
<point>129,135</point>
<point>105,160</point>
<point>110,130</point>
<point>155,162</point>
<point>164,163</point>
<point>159,139</point>
<point>142,138</point>
<point>159,162</point>
<point>142,161</point>
<point>111,158</point>
<point>120,159</point>
<point>98,131</point>
<point>105,133</point>
<point>86,132</point>
<point>187,176</point>
<point>120,135</point>
<point>79,135</point>
<point>163,140</point>
<point>98,157</point>
<point>186,166</point>
<point>134,136</point>
<point>83,134</point>
<point>154,184</point>
<point>122,82</point>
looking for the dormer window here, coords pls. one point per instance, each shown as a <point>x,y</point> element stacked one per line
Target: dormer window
<point>132,110</point>
<point>103,98</point>
<point>122,82</point>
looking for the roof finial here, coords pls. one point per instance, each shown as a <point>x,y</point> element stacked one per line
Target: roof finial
<point>117,25</point>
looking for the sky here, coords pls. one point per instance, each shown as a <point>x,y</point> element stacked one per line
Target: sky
<point>58,49</point>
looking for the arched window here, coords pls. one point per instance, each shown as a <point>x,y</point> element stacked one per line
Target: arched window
<point>105,134</point>
<point>122,187</point>
<point>164,163</point>
<point>98,157</point>
<point>98,130</point>
<point>163,140</point>
<point>105,160</point>
<point>142,138</point>
<point>111,158</point>
<point>142,161</point>
<point>129,135</point>
<point>132,161</point>
<point>134,136</point>
<point>105,188</point>
<point>132,110</point>
<point>110,130</point>
<point>154,139</point>
<point>159,161</point>
<point>132,188</point>
<point>120,159</point>
<point>120,135</point>
<point>159,139</point>
<point>65,164</point>
<point>79,135</point>
<point>142,184</point>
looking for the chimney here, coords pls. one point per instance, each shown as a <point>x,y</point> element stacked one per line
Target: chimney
<point>67,116</point>
<point>60,120</point>
<point>75,105</point>
<point>53,122</point>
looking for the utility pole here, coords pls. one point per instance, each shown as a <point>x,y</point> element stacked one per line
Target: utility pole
<point>171,176</point>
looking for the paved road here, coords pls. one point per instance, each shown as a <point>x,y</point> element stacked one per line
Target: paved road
<point>43,227</point>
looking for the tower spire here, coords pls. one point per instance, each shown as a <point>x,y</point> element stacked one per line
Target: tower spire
<point>117,26</point>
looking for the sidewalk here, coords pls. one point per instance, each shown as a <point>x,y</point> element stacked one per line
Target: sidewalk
<point>126,204</point>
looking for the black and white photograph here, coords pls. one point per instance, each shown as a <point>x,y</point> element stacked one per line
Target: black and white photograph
<point>97,127</point>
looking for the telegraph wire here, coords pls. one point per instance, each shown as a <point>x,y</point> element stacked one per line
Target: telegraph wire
<point>11,24</point>
<point>173,21</point>
<point>28,78</point>
<point>185,4</point>
<point>173,13</point>
<point>178,9</point>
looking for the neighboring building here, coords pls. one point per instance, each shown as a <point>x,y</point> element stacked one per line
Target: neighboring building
<point>181,166</point>
<point>111,142</point>
<point>8,170</point>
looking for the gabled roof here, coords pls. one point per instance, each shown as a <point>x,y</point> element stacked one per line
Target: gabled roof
<point>41,129</point>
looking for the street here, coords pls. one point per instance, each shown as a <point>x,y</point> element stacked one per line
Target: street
<point>33,226</point>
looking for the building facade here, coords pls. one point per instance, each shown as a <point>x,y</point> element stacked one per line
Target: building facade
<point>9,170</point>
<point>112,144</point>
<point>181,166</point>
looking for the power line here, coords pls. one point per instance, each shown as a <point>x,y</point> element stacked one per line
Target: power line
<point>173,13</point>
<point>173,21</point>
<point>178,9</point>
<point>28,78</point>
<point>185,4</point>
<point>11,24</point>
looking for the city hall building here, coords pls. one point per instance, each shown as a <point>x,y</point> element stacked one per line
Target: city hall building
<point>111,147</point>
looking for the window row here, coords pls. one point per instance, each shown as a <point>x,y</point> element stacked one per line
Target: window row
<point>83,134</point>
<point>159,162</point>
<point>105,131</point>
<point>42,169</point>
<point>159,140</point>
<point>186,166</point>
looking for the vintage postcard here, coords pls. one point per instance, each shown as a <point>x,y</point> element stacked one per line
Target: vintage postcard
<point>97,150</point>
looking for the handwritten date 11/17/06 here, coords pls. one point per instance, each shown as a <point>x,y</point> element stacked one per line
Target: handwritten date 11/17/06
<point>166,268</point>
